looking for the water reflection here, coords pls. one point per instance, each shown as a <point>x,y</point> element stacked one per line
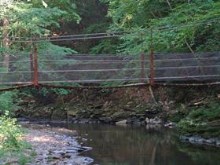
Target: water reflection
<point>114,145</point>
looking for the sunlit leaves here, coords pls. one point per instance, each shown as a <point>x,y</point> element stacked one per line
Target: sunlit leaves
<point>176,25</point>
<point>33,21</point>
<point>35,17</point>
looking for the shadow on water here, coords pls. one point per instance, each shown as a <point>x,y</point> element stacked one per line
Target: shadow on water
<point>113,145</point>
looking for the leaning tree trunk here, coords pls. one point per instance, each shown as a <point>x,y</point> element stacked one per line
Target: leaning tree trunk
<point>6,43</point>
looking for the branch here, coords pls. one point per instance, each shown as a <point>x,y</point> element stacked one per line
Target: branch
<point>169,4</point>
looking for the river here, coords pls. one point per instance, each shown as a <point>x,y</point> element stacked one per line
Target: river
<point>114,145</point>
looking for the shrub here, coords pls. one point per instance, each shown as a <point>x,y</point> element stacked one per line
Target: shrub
<point>7,102</point>
<point>203,121</point>
<point>10,133</point>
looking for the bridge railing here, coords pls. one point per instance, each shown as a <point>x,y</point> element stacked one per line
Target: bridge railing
<point>110,70</point>
<point>187,67</point>
<point>84,69</point>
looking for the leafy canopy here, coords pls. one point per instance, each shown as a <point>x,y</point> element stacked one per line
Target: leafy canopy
<point>177,25</point>
<point>36,18</point>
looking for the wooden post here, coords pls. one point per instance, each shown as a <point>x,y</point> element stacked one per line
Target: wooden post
<point>35,67</point>
<point>142,58</point>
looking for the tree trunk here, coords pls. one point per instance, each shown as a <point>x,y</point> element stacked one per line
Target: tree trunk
<point>5,43</point>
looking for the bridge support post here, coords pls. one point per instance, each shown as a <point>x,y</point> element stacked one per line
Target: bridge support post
<point>31,66</point>
<point>152,71</point>
<point>35,66</point>
<point>142,58</point>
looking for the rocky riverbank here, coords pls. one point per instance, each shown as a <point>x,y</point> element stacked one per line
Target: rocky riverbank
<point>194,110</point>
<point>55,146</point>
<point>198,140</point>
<point>135,105</point>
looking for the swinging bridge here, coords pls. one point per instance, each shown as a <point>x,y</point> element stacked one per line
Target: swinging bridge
<point>106,70</point>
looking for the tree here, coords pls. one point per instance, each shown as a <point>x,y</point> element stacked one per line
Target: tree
<point>26,20</point>
<point>177,25</point>
<point>36,18</point>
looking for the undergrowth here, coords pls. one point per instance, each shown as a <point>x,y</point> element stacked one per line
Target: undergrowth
<point>12,147</point>
<point>204,121</point>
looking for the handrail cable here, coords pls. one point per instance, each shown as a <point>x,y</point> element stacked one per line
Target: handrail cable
<point>106,35</point>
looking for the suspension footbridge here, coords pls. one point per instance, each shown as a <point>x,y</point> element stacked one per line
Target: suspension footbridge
<point>107,70</point>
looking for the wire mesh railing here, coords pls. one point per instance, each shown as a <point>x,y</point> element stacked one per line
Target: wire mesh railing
<point>187,67</point>
<point>85,69</point>
<point>110,70</point>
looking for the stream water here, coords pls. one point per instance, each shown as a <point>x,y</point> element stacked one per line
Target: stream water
<point>113,145</point>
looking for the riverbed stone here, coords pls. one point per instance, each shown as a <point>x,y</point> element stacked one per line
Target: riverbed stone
<point>218,143</point>
<point>155,120</point>
<point>83,121</point>
<point>55,156</point>
<point>122,122</point>
<point>53,147</point>
<point>106,120</point>
<point>200,140</point>
<point>210,141</point>
<point>170,124</point>
<point>67,155</point>
<point>58,152</point>
<point>71,151</point>
<point>137,122</point>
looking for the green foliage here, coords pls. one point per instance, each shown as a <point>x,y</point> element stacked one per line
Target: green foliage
<point>34,18</point>
<point>181,112</point>
<point>61,91</point>
<point>44,95</point>
<point>31,19</point>
<point>68,6</point>
<point>11,144</point>
<point>93,20</point>
<point>7,103</point>
<point>176,25</point>
<point>57,91</point>
<point>206,113</point>
<point>10,133</point>
<point>105,46</point>
<point>51,49</point>
<point>203,121</point>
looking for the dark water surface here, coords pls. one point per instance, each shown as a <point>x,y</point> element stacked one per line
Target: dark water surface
<point>113,145</point>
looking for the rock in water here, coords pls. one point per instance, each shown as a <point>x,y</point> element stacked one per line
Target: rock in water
<point>122,122</point>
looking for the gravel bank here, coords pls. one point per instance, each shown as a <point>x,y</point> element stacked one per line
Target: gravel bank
<point>55,146</point>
